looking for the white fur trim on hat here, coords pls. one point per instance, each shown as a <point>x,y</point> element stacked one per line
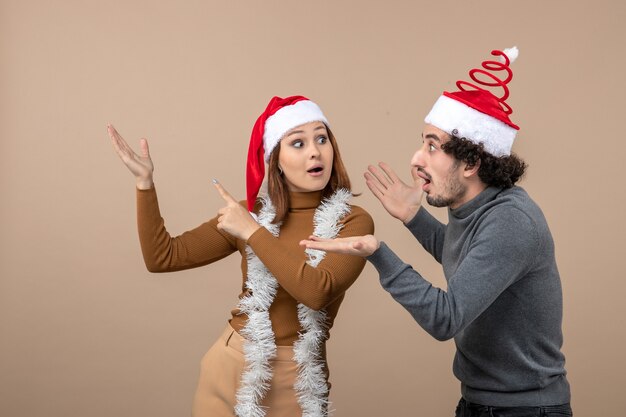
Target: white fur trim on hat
<point>458,119</point>
<point>287,118</point>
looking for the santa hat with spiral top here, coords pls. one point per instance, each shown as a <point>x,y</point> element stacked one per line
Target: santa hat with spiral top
<point>280,116</point>
<point>477,114</point>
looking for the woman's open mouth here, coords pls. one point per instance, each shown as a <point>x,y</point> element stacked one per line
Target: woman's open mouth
<point>316,171</point>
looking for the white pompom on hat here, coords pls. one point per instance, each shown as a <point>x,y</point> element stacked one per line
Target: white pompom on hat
<point>475,113</point>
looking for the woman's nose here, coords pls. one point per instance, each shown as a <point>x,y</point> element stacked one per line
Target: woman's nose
<point>314,151</point>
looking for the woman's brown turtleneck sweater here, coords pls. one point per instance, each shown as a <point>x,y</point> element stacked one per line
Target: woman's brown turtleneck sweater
<point>317,288</point>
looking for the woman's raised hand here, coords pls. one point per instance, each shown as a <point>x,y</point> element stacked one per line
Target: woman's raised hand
<point>139,165</point>
<point>233,218</point>
<point>354,245</point>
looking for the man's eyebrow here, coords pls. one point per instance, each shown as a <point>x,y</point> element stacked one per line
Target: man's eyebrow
<point>432,136</point>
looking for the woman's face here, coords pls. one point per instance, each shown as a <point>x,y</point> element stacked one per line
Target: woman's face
<point>306,157</point>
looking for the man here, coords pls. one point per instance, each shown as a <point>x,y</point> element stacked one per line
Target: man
<point>503,304</point>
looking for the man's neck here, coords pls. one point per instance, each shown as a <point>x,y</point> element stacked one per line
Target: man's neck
<point>473,189</point>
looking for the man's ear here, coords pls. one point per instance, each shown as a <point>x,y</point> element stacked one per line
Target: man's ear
<point>471,170</point>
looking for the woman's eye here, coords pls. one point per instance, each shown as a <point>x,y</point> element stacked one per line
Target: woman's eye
<point>322,139</point>
<point>296,143</point>
<point>431,148</point>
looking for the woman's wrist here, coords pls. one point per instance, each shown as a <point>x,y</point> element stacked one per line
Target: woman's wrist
<point>144,183</point>
<point>250,231</point>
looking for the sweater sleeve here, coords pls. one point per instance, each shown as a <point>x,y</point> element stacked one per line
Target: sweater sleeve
<point>501,252</point>
<point>163,253</point>
<point>429,231</point>
<point>313,287</point>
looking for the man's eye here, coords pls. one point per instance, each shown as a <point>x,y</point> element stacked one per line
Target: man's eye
<point>432,148</point>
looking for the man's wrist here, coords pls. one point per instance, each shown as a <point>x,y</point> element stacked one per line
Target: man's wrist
<point>412,213</point>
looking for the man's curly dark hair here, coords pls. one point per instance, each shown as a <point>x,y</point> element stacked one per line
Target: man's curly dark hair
<point>503,171</point>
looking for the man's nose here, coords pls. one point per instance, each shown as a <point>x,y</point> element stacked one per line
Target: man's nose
<point>418,158</point>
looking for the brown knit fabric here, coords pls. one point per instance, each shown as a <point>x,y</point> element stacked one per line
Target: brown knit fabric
<point>317,288</point>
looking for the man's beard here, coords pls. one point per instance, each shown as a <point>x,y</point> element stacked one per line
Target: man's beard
<point>452,192</point>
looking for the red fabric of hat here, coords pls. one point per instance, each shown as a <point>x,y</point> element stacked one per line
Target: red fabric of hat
<point>255,167</point>
<point>475,112</point>
<point>484,102</point>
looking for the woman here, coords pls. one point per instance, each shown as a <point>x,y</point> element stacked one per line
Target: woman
<point>271,359</point>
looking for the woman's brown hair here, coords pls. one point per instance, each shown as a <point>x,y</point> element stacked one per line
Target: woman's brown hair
<point>278,190</point>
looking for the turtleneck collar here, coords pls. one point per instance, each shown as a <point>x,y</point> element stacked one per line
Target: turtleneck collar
<point>468,208</point>
<point>304,201</point>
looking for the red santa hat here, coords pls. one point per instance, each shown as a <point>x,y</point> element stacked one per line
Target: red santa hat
<point>476,114</point>
<point>280,116</point>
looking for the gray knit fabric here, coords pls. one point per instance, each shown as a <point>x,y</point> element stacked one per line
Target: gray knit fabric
<point>503,305</point>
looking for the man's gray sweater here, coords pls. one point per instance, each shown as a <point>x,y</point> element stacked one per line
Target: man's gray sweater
<point>503,305</point>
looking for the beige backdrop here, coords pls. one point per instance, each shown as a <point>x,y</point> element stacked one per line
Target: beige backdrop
<point>87,331</point>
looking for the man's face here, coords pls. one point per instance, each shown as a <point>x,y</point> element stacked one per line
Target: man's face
<point>444,183</point>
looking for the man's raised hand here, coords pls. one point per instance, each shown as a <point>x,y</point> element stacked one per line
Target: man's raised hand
<point>401,200</point>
